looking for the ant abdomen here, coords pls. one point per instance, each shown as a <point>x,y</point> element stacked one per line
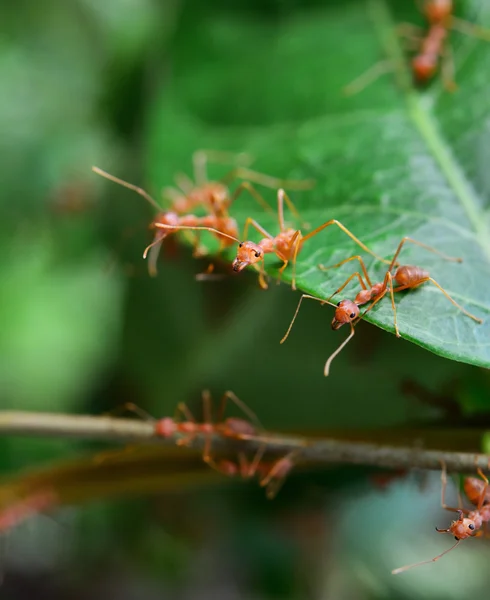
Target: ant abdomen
<point>409,275</point>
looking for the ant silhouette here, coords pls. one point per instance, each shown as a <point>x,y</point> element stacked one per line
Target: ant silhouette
<point>406,276</point>
<point>214,196</point>
<point>469,522</point>
<point>286,244</point>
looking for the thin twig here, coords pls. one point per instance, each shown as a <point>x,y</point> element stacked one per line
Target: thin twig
<point>314,451</point>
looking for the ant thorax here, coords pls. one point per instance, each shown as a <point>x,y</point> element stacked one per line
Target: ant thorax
<point>284,240</point>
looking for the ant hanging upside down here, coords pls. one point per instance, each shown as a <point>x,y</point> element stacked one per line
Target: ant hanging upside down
<point>469,522</point>
<point>271,474</point>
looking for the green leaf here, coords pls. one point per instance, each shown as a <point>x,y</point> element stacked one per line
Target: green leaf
<point>389,161</point>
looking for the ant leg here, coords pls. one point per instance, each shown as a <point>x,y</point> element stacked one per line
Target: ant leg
<point>171,194</point>
<point>297,247</point>
<point>207,415</point>
<point>429,248</point>
<point>481,501</point>
<point>200,160</point>
<point>326,369</point>
<point>133,408</point>
<point>262,276</point>
<point>281,198</point>
<point>393,305</point>
<point>268,181</point>
<point>369,76</point>
<point>276,477</point>
<point>343,262</point>
<point>347,281</point>
<point>410,32</point>
<point>248,470</point>
<point>447,69</point>
<point>229,395</point>
<point>470,29</point>
<point>347,232</point>
<point>297,311</point>
<point>251,222</point>
<point>434,282</point>
<point>185,183</point>
<point>130,186</point>
<point>295,242</point>
<point>461,511</point>
<point>245,185</point>
<point>153,252</point>
<point>183,410</point>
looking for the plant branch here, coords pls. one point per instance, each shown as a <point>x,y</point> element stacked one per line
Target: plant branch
<point>309,450</point>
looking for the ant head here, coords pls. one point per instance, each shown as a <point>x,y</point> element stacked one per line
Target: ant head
<point>346,312</point>
<point>462,528</point>
<point>424,67</point>
<point>248,253</point>
<point>438,11</point>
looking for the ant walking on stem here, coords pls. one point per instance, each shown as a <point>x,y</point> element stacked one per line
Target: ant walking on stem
<point>469,522</point>
<point>271,474</point>
<point>406,276</point>
<point>430,47</point>
<point>286,245</point>
<point>214,196</point>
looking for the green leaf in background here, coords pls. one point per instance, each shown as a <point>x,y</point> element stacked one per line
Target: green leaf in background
<point>389,161</point>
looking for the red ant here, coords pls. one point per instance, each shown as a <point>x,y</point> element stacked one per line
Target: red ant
<point>286,244</point>
<point>214,196</point>
<point>429,47</point>
<point>271,475</point>
<point>469,522</point>
<point>407,277</point>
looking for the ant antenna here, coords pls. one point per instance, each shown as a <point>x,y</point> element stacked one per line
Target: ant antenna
<point>339,349</point>
<point>130,186</point>
<point>425,562</point>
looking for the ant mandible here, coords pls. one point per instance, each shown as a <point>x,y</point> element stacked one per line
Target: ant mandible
<point>469,522</point>
<point>286,244</point>
<point>406,276</point>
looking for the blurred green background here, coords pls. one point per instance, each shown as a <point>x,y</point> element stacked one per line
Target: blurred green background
<point>84,329</point>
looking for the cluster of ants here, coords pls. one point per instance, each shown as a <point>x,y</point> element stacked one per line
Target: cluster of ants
<point>215,199</point>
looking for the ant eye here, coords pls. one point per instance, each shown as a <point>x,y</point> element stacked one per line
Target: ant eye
<point>240,244</point>
<point>456,538</point>
<point>257,255</point>
<point>471,526</point>
<point>352,315</point>
<point>339,302</point>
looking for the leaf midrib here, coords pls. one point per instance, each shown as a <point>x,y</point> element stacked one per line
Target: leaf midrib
<point>426,124</point>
